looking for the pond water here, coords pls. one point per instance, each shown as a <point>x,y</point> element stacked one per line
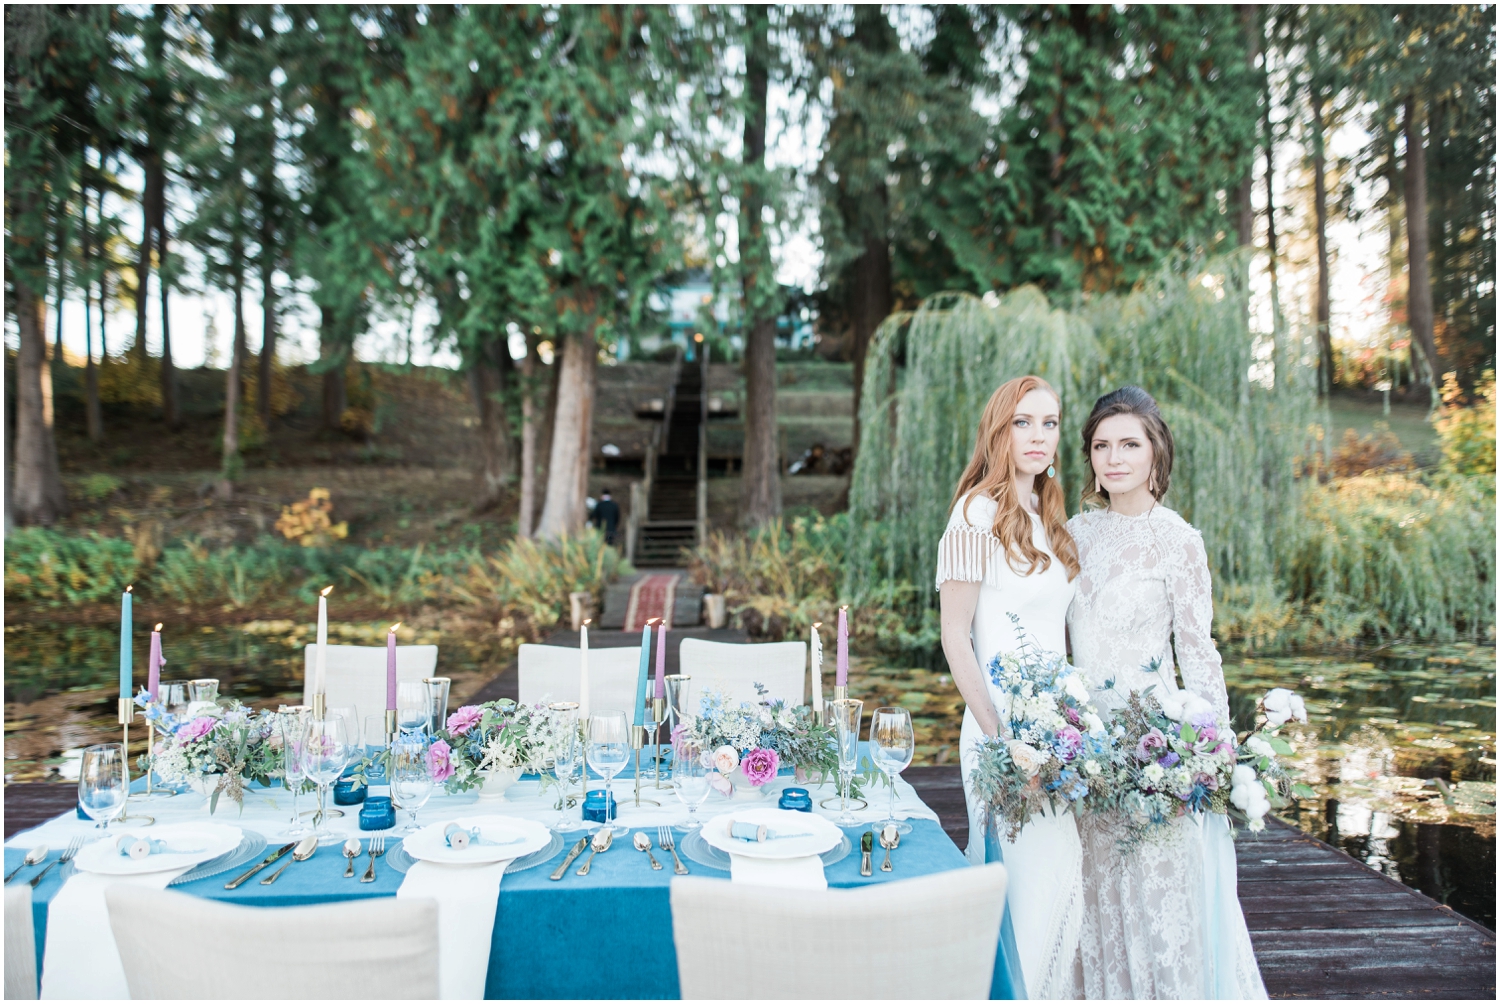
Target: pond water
<point>1400,745</point>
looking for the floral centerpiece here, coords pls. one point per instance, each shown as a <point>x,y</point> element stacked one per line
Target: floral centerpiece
<point>218,751</point>
<point>491,744</point>
<point>1053,749</point>
<point>754,741</point>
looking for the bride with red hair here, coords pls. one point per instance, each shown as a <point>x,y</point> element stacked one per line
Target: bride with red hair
<point>1007,552</point>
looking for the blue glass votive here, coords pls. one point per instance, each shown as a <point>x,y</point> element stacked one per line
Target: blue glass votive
<point>348,791</point>
<point>377,813</point>
<point>594,807</point>
<point>796,799</point>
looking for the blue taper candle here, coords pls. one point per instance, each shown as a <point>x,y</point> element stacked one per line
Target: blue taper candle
<point>125,653</point>
<point>640,683</point>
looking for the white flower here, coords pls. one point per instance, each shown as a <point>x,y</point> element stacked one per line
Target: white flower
<point>1076,688</point>
<point>1259,747</point>
<point>1154,773</point>
<point>726,759</point>
<point>1027,758</point>
<point>1195,707</point>
<point>1094,724</point>
<point>1299,710</point>
<point>1278,706</point>
<point>1091,768</point>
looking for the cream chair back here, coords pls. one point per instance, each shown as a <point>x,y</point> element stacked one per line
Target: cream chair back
<point>735,669</point>
<point>551,672</point>
<point>177,947</point>
<point>20,943</point>
<point>929,937</point>
<point>355,674</point>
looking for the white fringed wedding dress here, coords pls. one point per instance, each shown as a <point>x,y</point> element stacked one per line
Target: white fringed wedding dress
<point>1045,893</point>
<point>1161,921</point>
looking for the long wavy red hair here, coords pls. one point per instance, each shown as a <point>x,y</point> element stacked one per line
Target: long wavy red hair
<point>992,473</point>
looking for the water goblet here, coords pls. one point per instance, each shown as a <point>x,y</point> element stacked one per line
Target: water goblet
<point>845,716</point>
<point>892,743</point>
<point>411,780</point>
<point>101,783</point>
<point>413,706</point>
<point>690,777</point>
<point>325,752</point>
<point>609,751</point>
<point>291,721</point>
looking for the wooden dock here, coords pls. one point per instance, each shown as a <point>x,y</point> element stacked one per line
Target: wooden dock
<point>1324,925</point>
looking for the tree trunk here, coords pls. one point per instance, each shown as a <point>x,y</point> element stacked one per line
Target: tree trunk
<point>528,440</point>
<point>1244,195</point>
<point>37,495</point>
<point>229,469</point>
<point>267,347</point>
<point>872,304</point>
<point>170,411</point>
<point>62,276</point>
<point>487,381</point>
<point>1320,207</point>
<point>1278,380</point>
<point>760,481</point>
<point>1418,280</point>
<point>547,422</point>
<point>335,394</point>
<point>572,429</point>
<point>92,412</point>
<point>150,195</point>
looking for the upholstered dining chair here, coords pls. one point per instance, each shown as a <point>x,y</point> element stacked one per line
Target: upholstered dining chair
<point>551,672</point>
<point>928,937</point>
<point>355,674</point>
<point>735,669</point>
<point>20,944</point>
<point>177,947</point>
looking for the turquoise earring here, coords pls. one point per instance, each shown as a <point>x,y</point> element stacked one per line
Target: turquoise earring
<point>1051,471</point>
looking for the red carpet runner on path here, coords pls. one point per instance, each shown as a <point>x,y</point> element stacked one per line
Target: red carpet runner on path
<point>651,596</point>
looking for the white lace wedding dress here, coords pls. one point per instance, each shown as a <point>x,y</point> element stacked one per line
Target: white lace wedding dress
<point>1163,920</point>
<point>1045,891</point>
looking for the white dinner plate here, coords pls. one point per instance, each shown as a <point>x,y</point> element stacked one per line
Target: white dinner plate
<point>817,834</point>
<point>202,841</point>
<point>427,844</point>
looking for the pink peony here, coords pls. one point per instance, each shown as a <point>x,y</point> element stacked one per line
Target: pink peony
<point>439,763</point>
<point>1068,742</point>
<point>760,765</point>
<point>1150,743</point>
<point>196,729</point>
<point>464,719</point>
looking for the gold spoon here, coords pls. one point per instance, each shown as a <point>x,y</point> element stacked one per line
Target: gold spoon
<point>601,842</point>
<point>351,851</point>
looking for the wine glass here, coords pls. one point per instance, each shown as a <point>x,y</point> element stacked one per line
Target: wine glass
<point>291,720</point>
<point>350,715</point>
<point>844,716</point>
<point>413,706</point>
<point>101,783</point>
<point>690,777</point>
<point>565,760</point>
<point>411,780</point>
<point>892,743</point>
<point>325,751</point>
<point>609,752</point>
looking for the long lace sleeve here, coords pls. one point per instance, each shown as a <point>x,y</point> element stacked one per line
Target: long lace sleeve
<point>1190,588</point>
<point>964,550</point>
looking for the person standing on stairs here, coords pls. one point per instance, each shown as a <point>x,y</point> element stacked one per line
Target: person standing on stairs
<point>606,516</point>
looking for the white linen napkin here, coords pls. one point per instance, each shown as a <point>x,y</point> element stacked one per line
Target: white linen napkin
<point>466,896</point>
<point>80,960</point>
<point>784,873</point>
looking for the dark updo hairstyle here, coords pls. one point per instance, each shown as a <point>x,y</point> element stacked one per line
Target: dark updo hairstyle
<point>1129,400</point>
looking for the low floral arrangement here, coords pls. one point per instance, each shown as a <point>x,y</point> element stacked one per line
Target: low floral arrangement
<point>225,748</point>
<point>1054,749</point>
<point>758,739</point>
<point>497,736</point>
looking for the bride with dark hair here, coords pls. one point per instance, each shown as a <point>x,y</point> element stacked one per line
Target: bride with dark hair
<point>1162,920</point>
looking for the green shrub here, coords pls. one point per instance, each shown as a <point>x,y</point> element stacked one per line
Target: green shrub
<point>97,487</point>
<point>46,566</point>
<point>1467,433</point>
<point>233,576</point>
<point>534,577</point>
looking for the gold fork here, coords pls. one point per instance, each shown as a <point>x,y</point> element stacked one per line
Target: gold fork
<point>377,848</point>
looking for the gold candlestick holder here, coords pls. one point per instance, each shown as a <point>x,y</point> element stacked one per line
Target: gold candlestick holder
<point>390,727</point>
<point>320,706</point>
<point>124,712</point>
<point>658,716</point>
<point>152,793</point>
<point>637,741</point>
<point>841,693</point>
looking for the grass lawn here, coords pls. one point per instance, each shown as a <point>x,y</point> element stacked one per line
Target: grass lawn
<point>1363,414</point>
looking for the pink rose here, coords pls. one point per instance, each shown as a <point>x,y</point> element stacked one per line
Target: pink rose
<point>1068,742</point>
<point>197,728</point>
<point>1150,743</point>
<point>439,763</point>
<point>760,766</point>
<point>464,719</point>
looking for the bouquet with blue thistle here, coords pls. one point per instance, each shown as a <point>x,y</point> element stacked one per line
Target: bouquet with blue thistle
<point>222,750</point>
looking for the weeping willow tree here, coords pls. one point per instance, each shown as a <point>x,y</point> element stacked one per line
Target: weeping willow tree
<point>1183,336</point>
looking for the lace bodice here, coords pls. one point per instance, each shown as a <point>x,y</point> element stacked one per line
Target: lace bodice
<point>1144,591</point>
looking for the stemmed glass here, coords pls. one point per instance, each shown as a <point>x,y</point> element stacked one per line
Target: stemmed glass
<point>292,721</point>
<point>690,777</point>
<point>411,780</point>
<point>325,751</point>
<point>413,706</point>
<point>892,743</point>
<point>101,783</point>
<point>609,752</point>
<point>564,760</point>
<point>350,715</point>
<point>844,716</point>
<point>375,744</point>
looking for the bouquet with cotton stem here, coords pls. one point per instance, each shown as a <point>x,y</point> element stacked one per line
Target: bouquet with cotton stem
<point>1261,779</point>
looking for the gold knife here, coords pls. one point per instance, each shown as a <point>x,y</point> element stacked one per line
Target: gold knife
<point>270,859</point>
<point>562,869</point>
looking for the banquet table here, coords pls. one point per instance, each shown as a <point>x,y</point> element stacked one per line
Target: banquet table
<point>606,935</point>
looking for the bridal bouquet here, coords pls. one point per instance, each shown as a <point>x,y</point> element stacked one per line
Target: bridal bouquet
<point>758,739</point>
<point>496,736</point>
<point>219,751</point>
<point>1053,748</point>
